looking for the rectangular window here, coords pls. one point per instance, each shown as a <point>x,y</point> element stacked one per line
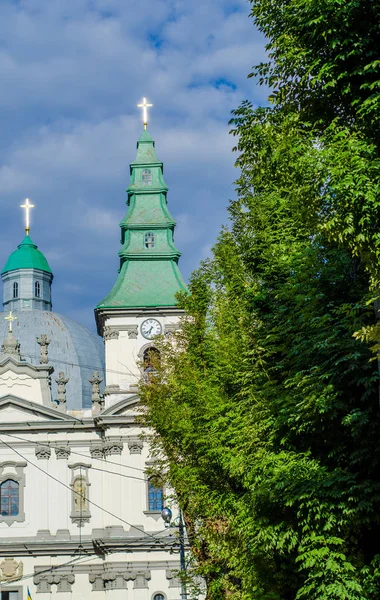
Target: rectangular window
<point>10,595</point>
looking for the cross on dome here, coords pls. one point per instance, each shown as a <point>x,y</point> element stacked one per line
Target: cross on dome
<point>144,105</point>
<point>10,318</point>
<point>27,207</point>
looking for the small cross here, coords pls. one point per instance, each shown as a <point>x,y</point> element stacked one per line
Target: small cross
<point>11,317</point>
<point>145,107</point>
<point>27,207</point>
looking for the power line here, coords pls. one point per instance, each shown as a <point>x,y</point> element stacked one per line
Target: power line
<point>108,462</point>
<point>76,560</point>
<point>71,490</point>
<point>52,568</point>
<point>82,366</point>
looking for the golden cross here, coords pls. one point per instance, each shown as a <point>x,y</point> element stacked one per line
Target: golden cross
<point>27,207</point>
<point>145,107</point>
<point>11,317</point>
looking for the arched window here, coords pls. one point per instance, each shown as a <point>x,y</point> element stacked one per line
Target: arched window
<point>9,498</point>
<point>158,597</point>
<point>146,177</point>
<point>155,497</point>
<point>37,289</point>
<point>151,359</point>
<point>15,290</point>
<point>149,240</point>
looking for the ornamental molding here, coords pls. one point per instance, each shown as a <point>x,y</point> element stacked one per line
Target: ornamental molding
<point>62,452</point>
<point>115,409</point>
<point>135,445</point>
<point>111,579</point>
<point>113,388</point>
<point>61,580</point>
<point>112,332</point>
<point>99,542</point>
<point>107,447</point>
<point>34,371</point>
<point>113,447</point>
<point>132,331</point>
<point>37,409</point>
<point>171,328</point>
<point>96,450</point>
<point>43,452</point>
<point>11,570</point>
<point>173,578</point>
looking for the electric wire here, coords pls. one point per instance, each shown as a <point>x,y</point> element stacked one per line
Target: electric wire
<point>83,366</point>
<point>108,462</point>
<point>51,568</point>
<point>89,501</point>
<point>73,561</point>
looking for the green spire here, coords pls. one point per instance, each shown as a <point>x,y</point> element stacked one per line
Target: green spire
<point>27,256</point>
<point>149,275</point>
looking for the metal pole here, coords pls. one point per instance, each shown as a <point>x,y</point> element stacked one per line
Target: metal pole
<point>181,531</point>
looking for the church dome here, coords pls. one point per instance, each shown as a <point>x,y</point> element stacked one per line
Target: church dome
<point>27,256</point>
<point>73,349</point>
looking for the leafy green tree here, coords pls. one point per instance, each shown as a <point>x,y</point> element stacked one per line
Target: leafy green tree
<point>265,403</point>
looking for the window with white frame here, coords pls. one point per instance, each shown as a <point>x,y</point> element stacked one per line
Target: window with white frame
<point>37,289</point>
<point>15,289</point>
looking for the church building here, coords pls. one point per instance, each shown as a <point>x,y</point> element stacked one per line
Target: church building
<point>78,513</point>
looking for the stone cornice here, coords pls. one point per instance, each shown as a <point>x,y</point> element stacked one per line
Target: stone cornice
<point>23,368</point>
<point>105,575</point>
<point>99,543</point>
<point>36,409</point>
<point>101,314</point>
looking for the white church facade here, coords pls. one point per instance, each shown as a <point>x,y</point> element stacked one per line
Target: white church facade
<point>78,513</point>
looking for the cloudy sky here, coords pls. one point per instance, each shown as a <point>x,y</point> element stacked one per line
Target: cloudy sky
<point>72,72</point>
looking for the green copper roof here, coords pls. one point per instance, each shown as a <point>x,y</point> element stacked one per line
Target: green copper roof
<point>27,256</point>
<point>145,284</point>
<point>146,153</point>
<point>149,275</point>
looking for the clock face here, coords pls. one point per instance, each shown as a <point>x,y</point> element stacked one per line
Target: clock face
<point>150,328</point>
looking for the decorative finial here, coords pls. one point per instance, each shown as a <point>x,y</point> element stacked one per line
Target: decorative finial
<point>97,398</point>
<point>62,381</point>
<point>27,207</point>
<point>43,342</point>
<point>11,346</point>
<point>10,318</point>
<point>145,107</point>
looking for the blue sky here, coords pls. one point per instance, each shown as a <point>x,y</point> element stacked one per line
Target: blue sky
<point>72,72</point>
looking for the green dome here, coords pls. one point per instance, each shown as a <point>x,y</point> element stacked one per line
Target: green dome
<point>27,256</point>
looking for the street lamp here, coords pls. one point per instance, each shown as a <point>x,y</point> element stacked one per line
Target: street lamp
<point>167,514</point>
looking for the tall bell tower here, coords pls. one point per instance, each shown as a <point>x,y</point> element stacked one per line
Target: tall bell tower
<point>142,303</point>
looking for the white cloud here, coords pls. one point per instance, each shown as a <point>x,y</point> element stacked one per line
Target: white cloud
<point>72,72</point>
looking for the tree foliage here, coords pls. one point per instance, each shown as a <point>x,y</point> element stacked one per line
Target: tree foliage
<point>265,403</point>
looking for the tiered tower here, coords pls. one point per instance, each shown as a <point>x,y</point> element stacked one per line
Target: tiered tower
<point>142,303</point>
